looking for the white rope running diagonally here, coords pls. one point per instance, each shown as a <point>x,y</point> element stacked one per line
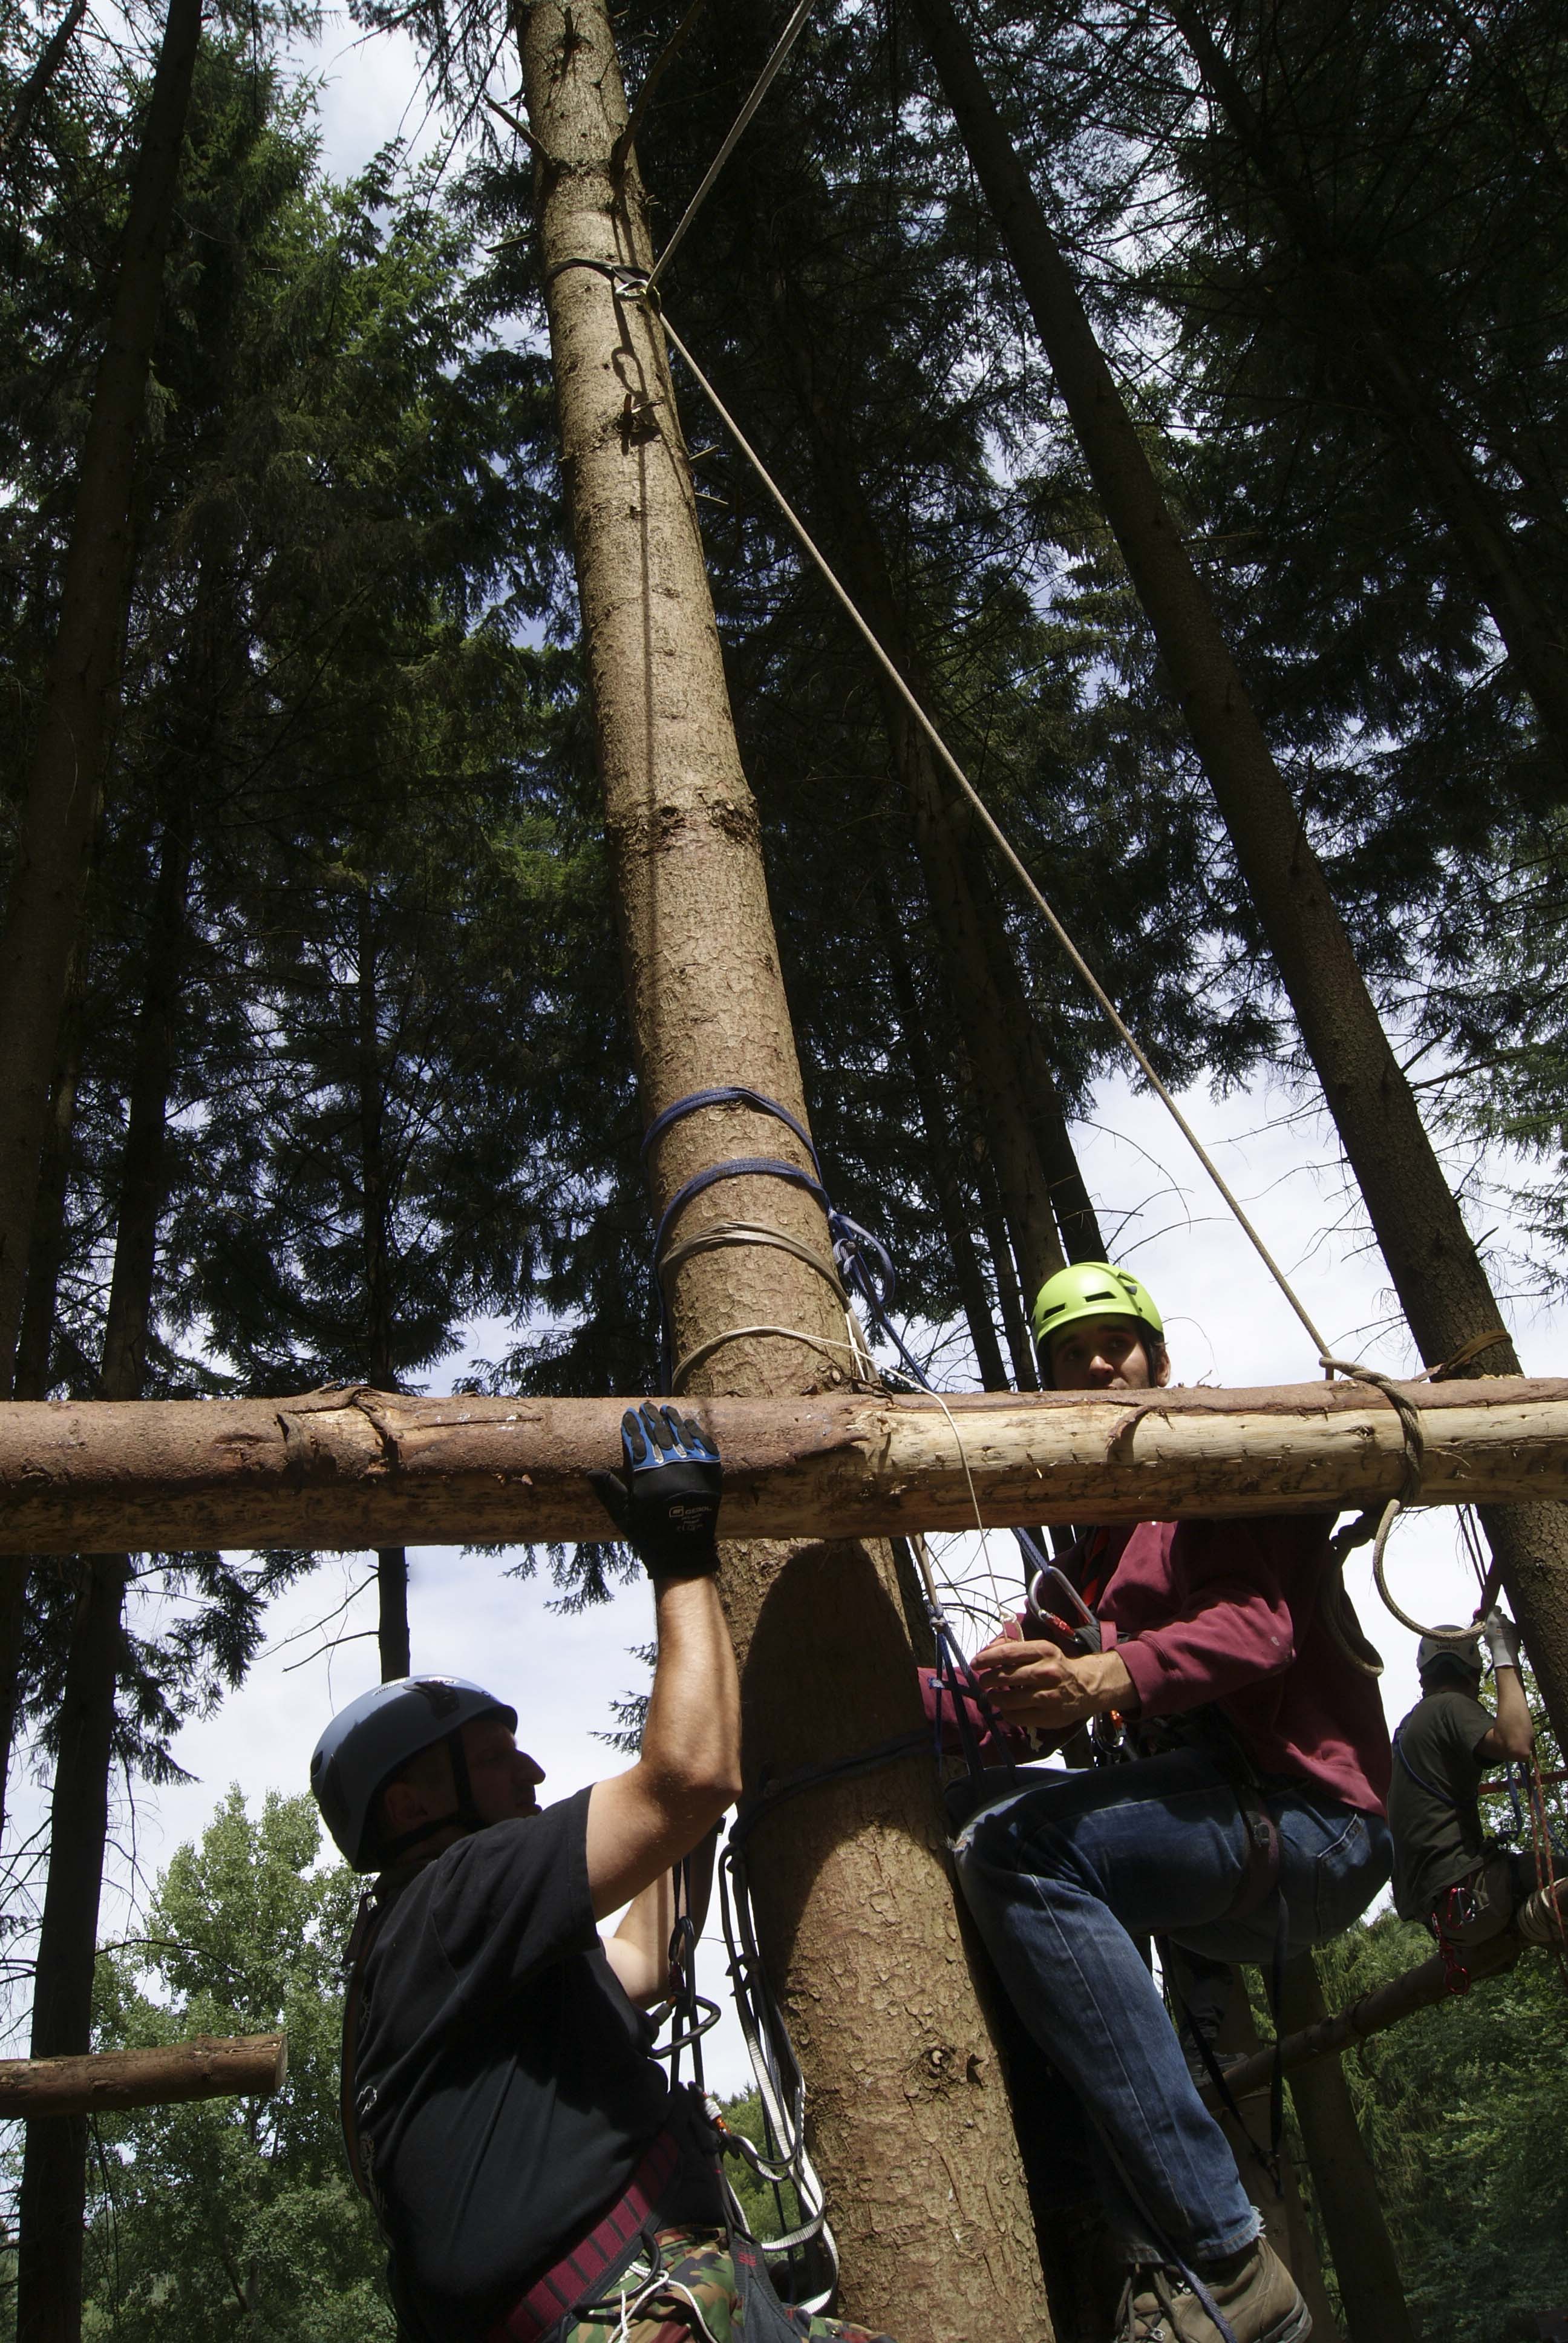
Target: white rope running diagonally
<point>992,827</point>
<point>764,80</point>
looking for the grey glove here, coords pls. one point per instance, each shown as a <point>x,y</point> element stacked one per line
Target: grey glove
<point>1501,1637</point>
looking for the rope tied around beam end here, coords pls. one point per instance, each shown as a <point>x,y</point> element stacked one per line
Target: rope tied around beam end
<point>1376,1523</point>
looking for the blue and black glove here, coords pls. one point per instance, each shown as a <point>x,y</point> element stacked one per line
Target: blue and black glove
<point>666,1506</point>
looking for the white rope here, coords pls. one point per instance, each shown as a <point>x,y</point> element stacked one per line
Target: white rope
<point>993,828</point>
<point>765,80</point>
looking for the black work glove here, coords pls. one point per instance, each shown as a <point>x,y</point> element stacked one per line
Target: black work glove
<point>666,1506</point>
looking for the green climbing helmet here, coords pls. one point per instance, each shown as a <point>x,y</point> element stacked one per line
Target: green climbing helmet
<point>1092,1288</point>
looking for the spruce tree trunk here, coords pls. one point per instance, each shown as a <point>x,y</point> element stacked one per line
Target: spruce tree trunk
<point>909,2117</point>
<point>44,1260</point>
<point>1004,1272</point>
<point>1434,1264</point>
<point>1285,2223</point>
<point>52,2198</point>
<point>1004,1057</point>
<point>1345,2179</point>
<point>35,88</point>
<point>65,785</point>
<point>951,1203</point>
<point>374,1221</point>
<point>1352,324</point>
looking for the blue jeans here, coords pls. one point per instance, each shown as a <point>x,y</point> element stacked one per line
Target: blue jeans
<point>1064,1873</point>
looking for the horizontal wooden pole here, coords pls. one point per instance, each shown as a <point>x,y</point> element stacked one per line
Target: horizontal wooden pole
<point>356,1469</point>
<point>1422,1987</point>
<point>210,2067</point>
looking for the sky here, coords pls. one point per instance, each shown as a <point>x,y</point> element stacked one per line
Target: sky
<point>1226,1323</point>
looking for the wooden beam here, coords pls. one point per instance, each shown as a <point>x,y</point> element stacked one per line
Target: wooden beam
<point>210,2067</point>
<point>1422,1987</point>
<point>356,1468</point>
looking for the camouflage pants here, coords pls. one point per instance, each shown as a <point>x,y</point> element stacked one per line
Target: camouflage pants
<point>701,2264</point>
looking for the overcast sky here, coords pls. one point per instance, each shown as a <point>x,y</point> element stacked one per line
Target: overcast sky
<point>1226,1321</point>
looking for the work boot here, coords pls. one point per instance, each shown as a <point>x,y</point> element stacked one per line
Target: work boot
<point>1253,2292</point>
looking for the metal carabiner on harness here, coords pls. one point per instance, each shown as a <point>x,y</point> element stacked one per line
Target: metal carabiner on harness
<point>1078,1633</point>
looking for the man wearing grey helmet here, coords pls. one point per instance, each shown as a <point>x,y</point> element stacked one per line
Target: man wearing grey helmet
<point>1444,1871</point>
<point>527,2159</point>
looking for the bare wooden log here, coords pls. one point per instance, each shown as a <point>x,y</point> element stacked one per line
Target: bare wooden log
<point>209,2066</point>
<point>1421,1987</point>
<point>359,1469</point>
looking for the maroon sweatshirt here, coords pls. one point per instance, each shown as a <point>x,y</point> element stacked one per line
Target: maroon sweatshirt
<point>1228,1612</point>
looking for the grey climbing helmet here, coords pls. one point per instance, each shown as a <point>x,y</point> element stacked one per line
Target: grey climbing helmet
<point>1465,1656</point>
<point>374,1736</point>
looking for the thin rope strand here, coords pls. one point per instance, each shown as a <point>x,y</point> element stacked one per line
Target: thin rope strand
<point>993,828</point>
<point>765,80</point>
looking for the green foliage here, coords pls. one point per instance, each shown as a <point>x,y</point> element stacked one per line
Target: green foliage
<point>233,2216</point>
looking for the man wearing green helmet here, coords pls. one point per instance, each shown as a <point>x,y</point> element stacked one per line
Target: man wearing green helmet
<point>1244,1820</point>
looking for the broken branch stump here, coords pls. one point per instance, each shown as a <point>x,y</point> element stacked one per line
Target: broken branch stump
<point>209,2066</point>
<point>354,1469</point>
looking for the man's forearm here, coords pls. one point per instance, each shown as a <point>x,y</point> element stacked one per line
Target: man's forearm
<point>693,1725</point>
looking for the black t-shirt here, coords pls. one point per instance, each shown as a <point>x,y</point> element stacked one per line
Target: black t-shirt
<point>1433,1808</point>
<point>505,2091</point>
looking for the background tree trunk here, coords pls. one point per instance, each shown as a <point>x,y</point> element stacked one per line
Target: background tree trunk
<point>1351,318</point>
<point>1436,1271</point>
<point>1285,2216</point>
<point>53,2169</point>
<point>1344,2181</point>
<point>375,1206</point>
<point>64,785</point>
<point>951,1201</point>
<point>35,88</point>
<point>909,2117</point>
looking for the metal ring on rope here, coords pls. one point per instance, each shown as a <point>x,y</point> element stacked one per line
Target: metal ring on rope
<point>1408,1415</point>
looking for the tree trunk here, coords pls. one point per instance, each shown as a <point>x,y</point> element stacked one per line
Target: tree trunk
<point>1344,2181</point>
<point>951,1201</point>
<point>64,785</point>
<point>55,2153</point>
<point>1071,1201</point>
<point>1285,2216</point>
<point>942,827</point>
<point>909,2119</point>
<point>1351,323</point>
<point>375,1212</point>
<point>44,1261</point>
<point>53,2169</point>
<point>1434,1264</point>
<point>35,88</point>
<point>1004,1270</point>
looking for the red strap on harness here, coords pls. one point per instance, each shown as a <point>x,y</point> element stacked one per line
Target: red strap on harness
<point>575,2277</point>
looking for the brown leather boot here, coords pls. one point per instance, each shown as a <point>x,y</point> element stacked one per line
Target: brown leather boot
<point>1254,2294</point>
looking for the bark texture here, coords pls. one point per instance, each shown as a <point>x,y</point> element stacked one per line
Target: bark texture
<point>366,1469</point>
<point>910,2120</point>
<point>1344,2181</point>
<point>64,785</point>
<point>375,1234</point>
<point>207,2066</point>
<point>1436,1271</point>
